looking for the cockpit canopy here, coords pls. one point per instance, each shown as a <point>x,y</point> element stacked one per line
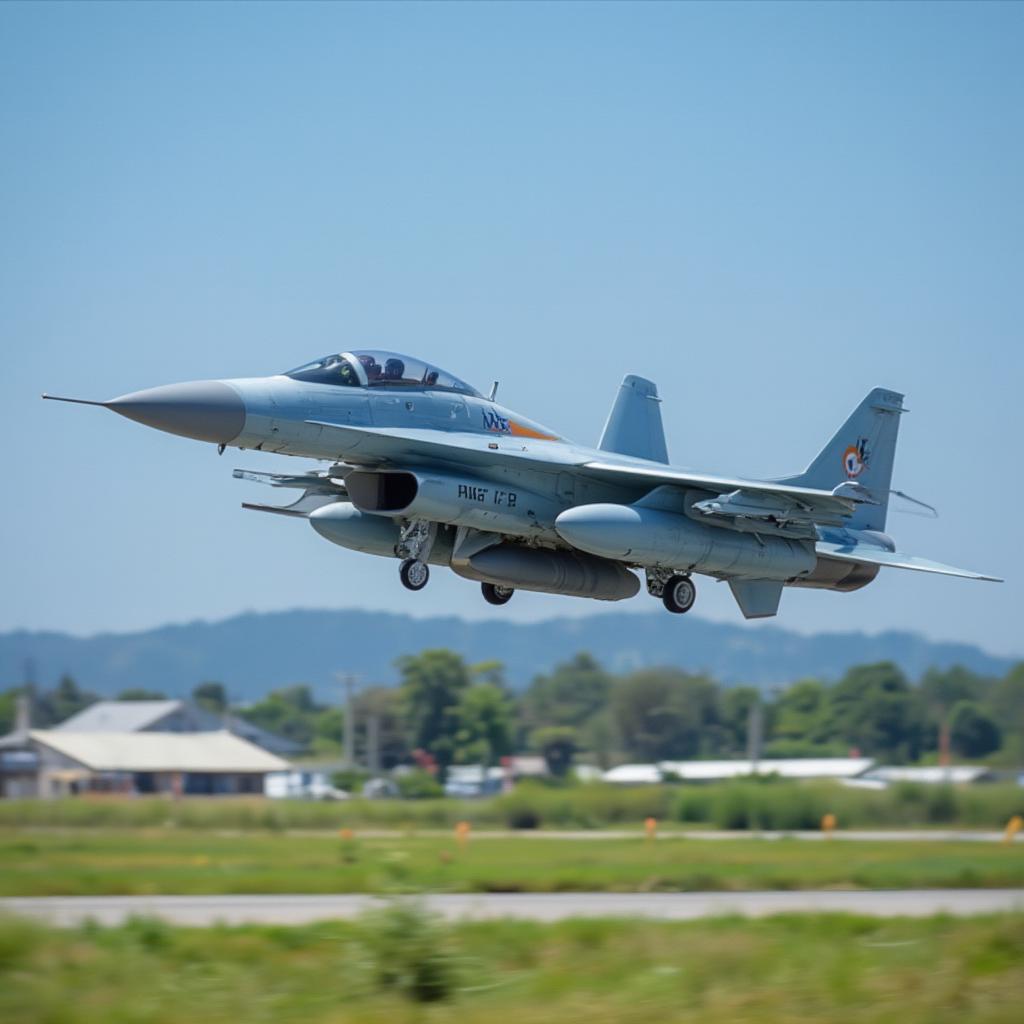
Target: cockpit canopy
<point>375,369</point>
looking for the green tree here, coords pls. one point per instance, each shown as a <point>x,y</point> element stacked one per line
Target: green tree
<point>485,725</point>
<point>67,698</point>
<point>8,709</point>
<point>574,691</point>
<point>211,696</point>
<point>432,686</point>
<point>141,693</point>
<point>736,704</point>
<point>939,691</point>
<point>290,712</point>
<point>1006,704</point>
<point>973,731</point>
<point>664,713</point>
<point>873,709</point>
<point>558,744</point>
<point>328,731</point>
<point>801,713</point>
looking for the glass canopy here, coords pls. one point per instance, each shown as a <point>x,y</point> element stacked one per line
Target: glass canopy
<point>375,369</point>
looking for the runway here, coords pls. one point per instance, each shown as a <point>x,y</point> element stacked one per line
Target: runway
<point>685,906</point>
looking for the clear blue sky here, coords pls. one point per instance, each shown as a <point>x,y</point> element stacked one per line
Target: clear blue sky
<point>768,209</point>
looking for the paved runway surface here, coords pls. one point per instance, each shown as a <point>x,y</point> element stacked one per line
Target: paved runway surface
<point>301,909</point>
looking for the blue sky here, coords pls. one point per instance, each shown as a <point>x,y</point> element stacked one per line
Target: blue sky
<point>769,209</point>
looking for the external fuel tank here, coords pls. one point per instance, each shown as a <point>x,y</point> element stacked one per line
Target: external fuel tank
<point>670,540</point>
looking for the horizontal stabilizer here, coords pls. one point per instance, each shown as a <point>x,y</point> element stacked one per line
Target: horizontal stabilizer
<point>870,555</point>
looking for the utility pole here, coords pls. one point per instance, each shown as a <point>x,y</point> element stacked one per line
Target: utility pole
<point>755,729</point>
<point>349,683</point>
<point>373,744</point>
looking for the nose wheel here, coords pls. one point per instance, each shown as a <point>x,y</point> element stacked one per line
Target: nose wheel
<point>414,574</point>
<point>679,594</point>
<point>493,594</point>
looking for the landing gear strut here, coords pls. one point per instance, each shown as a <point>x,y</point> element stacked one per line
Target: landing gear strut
<point>413,547</point>
<point>493,594</point>
<point>678,594</point>
<point>414,574</point>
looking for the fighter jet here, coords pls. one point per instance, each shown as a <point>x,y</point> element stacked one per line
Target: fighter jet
<point>425,469</point>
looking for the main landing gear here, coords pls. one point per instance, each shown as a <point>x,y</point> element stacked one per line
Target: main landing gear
<point>679,594</point>
<point>676,590</point>
<point>493,594</point>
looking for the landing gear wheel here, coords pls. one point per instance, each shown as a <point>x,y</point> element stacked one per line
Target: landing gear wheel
<point>414,574</point>
<point>493,594</point>
<point>679,594</point>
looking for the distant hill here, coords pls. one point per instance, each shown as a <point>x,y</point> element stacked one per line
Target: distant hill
<point>253,653</point>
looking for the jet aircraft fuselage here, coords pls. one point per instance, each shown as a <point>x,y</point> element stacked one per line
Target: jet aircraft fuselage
<point>426,469</point>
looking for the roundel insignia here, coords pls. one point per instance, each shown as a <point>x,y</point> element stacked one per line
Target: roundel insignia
<point>854,461</point>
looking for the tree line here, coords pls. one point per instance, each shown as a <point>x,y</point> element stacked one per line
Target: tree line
<point>445,711</point>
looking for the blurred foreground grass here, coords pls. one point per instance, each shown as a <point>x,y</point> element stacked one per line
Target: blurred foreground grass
<point>39,862</point>
<point>398,966</point>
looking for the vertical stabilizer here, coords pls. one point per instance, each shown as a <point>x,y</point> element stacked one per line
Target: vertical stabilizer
<point>634,424</point>
<point>862,452</point>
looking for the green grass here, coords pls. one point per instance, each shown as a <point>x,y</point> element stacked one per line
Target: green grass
<point>82,862</point>
<point>829,969</point>
<point>742,804</point>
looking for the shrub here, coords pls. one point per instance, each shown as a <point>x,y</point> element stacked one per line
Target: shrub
<point>419,785</point>
<point>409,950</point>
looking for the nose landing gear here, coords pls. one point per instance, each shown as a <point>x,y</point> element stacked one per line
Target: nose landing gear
<point>414,574</point>
<point>415,541</point>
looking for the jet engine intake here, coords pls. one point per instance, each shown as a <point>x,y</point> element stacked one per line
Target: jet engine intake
<point>457,500</point>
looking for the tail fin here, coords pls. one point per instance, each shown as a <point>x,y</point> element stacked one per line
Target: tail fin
<point>862,452</point>
<point>634,424</point>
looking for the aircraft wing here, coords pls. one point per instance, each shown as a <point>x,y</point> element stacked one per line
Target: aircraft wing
<point>736,500</point>
<point>870,555</point>
<point>743,499</point>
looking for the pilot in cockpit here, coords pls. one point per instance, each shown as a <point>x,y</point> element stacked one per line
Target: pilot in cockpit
<point>347,373</point>
<point>394,369</point>
<point>371,366</point>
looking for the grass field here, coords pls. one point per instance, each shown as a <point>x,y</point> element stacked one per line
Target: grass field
<point>395,967</point>
<point>742,804</point>
<point>93,862</point>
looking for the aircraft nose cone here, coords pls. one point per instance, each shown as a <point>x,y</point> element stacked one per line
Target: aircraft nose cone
<point>206,410</point>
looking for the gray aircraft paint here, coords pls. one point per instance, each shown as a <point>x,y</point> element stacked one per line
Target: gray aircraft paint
<point>428,468</point>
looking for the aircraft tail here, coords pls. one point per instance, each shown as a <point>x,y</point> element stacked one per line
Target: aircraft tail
<point>634,423</point>
<point>862,452</point>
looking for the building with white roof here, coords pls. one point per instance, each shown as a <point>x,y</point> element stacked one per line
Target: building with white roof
<point>171,716</point>
<point>718,771</point>
<point>178,763</point>
<point>931,775</point>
